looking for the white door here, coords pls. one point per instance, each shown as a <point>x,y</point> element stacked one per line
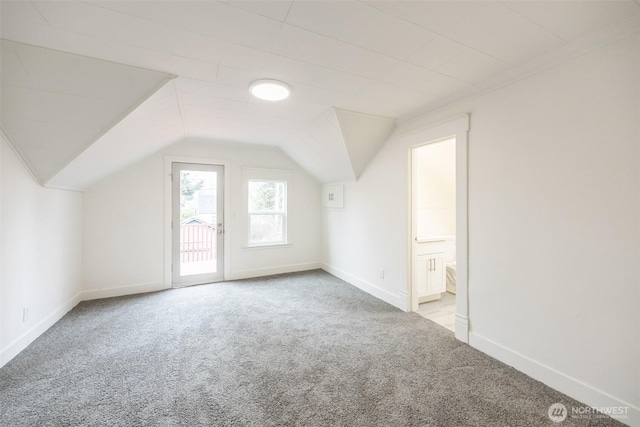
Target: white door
<point>197,224</point>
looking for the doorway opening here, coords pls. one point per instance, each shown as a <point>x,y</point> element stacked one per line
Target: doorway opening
<point>197,222</point>
<point>433,208</point>
<point>458,129</point>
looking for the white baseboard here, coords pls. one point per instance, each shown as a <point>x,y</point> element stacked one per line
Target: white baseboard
<point>462,328</point>
<point>404,295</point>
<point>283,269</point>
<point>557,380</point>
<point>23,341</point>
<point>155,286</point>
<point>122,290</point>
<point>384,295</point>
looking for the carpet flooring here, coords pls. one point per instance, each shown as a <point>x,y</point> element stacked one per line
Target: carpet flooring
<point>304,349</point>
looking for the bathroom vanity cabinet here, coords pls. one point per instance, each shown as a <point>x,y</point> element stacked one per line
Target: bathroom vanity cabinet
<point>430,272</point>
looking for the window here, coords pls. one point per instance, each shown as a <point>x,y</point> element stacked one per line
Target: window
<point>267,212</point>
<point>265,204</point>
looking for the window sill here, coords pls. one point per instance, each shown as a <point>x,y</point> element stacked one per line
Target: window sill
<point>266,246</point>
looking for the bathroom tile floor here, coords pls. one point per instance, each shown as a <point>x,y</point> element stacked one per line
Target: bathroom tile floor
<point>442,311</point>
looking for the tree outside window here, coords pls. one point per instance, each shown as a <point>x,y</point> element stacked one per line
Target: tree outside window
<point>267,209</point>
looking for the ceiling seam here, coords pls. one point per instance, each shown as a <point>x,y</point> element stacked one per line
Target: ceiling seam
<point>24,67</point>
<point>384,54</point>
<point>406,22</point>
<point>23,159</point>
<point>185,130</point>
<point>232,5</point>
<point>40,12</point>
<point>435,32</point>
<point>288,12</point>
<point>506,4</point>
<point>175,28</point>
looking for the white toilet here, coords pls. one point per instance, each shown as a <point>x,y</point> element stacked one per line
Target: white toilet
<point>451,277</point>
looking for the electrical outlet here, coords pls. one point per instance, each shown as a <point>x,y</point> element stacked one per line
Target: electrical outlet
<point>25,314</point>
<point>382,274</point>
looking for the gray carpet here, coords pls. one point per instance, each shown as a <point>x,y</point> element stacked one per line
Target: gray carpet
<point>303,349</point>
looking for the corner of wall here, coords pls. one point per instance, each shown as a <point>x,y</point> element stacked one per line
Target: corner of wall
<point>140,288</point>
<point>283,269</point>
<point>42,272</point>
<point>23,341</point>
<point>399,301</point>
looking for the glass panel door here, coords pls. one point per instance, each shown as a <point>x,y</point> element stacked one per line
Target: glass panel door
<point>197,224</point>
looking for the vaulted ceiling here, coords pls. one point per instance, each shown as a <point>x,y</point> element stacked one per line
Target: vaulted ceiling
<point>90,87</point>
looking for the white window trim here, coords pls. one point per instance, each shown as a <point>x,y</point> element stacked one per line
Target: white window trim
<point>267,175</point>
<point>283,213</point>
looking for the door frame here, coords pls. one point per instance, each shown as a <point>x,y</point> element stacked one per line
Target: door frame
<point>177,279</point>
<point>457,127</point>
<point>414,301</point>
<point>168,215</point>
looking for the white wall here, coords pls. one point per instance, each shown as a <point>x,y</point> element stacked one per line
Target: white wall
<point>436,198</point>
<point>125,221</point>
<point>554,224</point>
<point>554,216</point>
<point>41,251</point>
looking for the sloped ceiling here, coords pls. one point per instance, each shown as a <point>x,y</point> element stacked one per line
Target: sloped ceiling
<point>155,124</point>
<point>338,145</point>
<point>320,149</point>
<point>363,135</point>
<point>351,64</point>
<point>55,104</point>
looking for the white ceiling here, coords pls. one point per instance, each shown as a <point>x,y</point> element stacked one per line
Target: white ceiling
<point>385,59</point>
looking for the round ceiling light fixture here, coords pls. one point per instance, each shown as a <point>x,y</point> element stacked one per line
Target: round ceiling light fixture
<point>269,90</point>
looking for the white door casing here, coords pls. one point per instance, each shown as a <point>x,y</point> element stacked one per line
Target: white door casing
<point>457,127</point>
<point>197,221</point>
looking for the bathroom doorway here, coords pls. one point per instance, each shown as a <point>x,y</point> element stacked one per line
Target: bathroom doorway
<point>433,212</point>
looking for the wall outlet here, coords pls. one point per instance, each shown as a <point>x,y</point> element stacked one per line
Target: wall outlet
<point>382,274</point>
<point>25,314</point>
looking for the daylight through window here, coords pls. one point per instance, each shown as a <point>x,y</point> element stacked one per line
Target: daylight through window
<point>267,209</point>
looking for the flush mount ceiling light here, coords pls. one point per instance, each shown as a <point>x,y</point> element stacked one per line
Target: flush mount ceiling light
<point>269,90</point>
